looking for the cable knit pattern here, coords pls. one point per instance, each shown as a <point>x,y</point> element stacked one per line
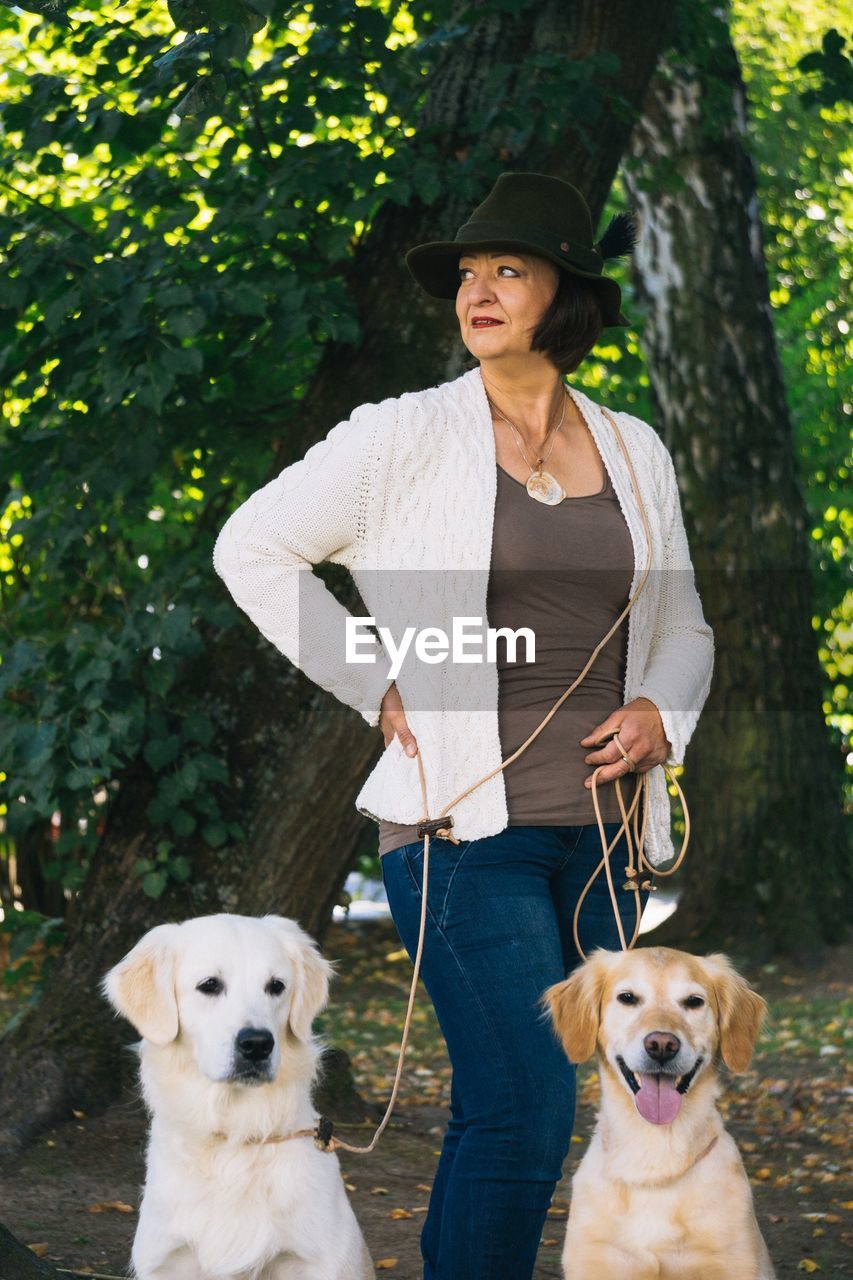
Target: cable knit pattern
<point>407,485</point>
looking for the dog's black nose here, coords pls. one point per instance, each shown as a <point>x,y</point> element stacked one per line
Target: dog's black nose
<point>255,1044</point>
<point>661,1045</point>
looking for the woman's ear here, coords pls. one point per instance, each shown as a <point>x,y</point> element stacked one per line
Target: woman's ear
<point>740,1012</point>
<point>575,1008</point>
<point>311,974</point>
<point>141,987</point>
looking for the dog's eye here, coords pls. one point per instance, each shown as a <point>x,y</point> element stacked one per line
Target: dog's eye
<point>627,997</point>
<point>275,986</point>
<point>211,987</point>
<point>693,1002</point>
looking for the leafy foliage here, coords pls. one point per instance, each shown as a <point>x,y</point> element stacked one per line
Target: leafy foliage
<point>183,190</point>
<point>180,203</point>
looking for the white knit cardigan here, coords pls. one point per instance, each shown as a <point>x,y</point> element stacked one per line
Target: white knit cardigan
<point>409,484</point>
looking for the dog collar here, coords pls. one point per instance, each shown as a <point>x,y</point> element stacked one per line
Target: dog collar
<point>321,1133</point>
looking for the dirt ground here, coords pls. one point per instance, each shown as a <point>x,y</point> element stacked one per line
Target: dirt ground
<point>74,1193</point>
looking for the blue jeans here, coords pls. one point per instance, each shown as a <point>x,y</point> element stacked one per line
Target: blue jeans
<point>498,932</point>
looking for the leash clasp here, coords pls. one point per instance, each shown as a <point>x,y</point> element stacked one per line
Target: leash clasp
<point>435,826</point>
<point>323,1133</point>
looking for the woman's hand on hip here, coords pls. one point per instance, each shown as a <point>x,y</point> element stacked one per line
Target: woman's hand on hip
<point>392,721</point>
<point>641,733</point>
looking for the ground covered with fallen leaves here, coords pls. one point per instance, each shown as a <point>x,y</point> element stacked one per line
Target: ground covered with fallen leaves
<point>73,1196</point>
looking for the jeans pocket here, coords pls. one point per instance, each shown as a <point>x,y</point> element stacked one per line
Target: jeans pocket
<point>445,858</point>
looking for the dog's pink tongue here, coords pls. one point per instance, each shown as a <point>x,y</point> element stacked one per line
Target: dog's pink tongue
<point>658,1100</point>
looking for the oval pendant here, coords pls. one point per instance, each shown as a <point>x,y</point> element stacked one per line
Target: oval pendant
<point>542,486</point>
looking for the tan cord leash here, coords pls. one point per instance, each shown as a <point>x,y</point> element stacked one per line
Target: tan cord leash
<point>441,827</point>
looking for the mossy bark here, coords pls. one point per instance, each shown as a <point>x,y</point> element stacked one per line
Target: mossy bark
<point>768,868</point>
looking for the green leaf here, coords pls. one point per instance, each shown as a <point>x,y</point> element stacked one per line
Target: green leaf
<point>57,311</point>
<point>225,11</point>
<point>34,743</point>
<point>88,744</point>
<point>98,669</point>
<point>190,776</point>
<point>154,883</point>
<point>177,625</point>
<point>156,381</point>
<point>215,833</point>
<point>185,322</point>
<point>178,360</point>
<point>247,300</point>
<point>189,15</point>
<point>192,47</point>
<point>231,44</point>
<point>161,751</point>
<point>159,676</point>
<point>174,295</point>
<point>80,779</point>
<point>180,869</point>
<point>157,810</point>
<point>182,822</point>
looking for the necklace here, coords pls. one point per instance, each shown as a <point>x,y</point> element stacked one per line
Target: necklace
<point>541,485</point>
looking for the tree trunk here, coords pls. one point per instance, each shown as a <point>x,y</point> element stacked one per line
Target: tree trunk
<point>297,756</point>
<point>33,852</point>
<point>766,867</point>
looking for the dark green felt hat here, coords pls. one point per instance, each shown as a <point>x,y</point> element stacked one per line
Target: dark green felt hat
<point>533,213</point>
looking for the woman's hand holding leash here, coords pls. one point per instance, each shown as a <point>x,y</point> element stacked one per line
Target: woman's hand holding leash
<point>643,741</point>
<point>393,723</point>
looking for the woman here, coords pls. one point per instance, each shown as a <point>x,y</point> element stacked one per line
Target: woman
<point>509,489</point>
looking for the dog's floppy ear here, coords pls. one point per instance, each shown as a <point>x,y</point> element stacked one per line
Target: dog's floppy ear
<point>575,1008</point>
<point>741,1012</point>
<point>141,986</point>
<point>311,974</point>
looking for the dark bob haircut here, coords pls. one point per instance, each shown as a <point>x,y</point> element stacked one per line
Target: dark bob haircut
<point>572,323</point>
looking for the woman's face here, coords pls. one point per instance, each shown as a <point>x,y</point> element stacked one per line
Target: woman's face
<point>513,288</point>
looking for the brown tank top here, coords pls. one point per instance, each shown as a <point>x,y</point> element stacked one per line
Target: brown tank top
<point>564,572</point>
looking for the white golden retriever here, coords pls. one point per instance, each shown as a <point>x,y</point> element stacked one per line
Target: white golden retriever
<point>661,1193</point>
<point>224,1005</point>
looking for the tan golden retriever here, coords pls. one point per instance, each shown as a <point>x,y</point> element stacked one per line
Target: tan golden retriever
<point>661,1193</point>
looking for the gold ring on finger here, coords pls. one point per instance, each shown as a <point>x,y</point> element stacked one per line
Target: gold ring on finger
<point>624,754</point>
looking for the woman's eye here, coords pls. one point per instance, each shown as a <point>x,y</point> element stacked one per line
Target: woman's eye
<point>627,997</point>
<point>211,987</point>
<point>275,987</point>
<point>503,267</point>
<point>693,1002</point>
